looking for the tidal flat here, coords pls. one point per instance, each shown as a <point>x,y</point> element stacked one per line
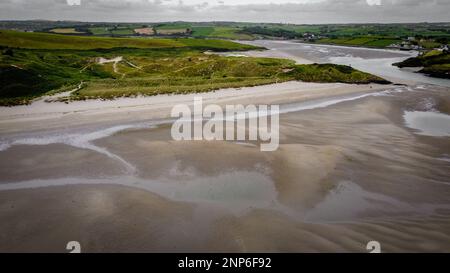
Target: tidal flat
<point>348,170</point>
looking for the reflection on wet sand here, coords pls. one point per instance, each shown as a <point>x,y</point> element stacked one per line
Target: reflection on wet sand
<point>344,175</point>
<point>348,171</point>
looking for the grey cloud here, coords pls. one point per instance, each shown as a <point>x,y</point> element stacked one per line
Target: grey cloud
<point>327,11</point>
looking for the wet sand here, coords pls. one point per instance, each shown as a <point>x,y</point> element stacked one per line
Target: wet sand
<point>344,175</point>
<point>58,115</point>
<point>348,171</point>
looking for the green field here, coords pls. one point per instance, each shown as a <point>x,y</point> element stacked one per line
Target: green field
<point>32,64</point>
<point>202,31</point>
<point>221,32</point>
<point>426,35</point>
<point>66,31</point>
<point>173,26</point>
<point>174,29</point>
<point>122,31</point>
<point>114,30</point>
<point>54,41</point>
<point>100,30</point>
<point>366,41</point>
<point>429,44</point>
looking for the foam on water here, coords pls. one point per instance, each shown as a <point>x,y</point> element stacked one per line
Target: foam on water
<point>84,139</point>
<point>323,103</point>
<point>81,140</point>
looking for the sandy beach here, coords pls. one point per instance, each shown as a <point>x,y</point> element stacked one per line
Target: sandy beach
<point>348,171</point>
<point>41,114</point>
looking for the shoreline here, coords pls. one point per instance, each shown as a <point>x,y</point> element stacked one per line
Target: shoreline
<point>390,50</point>
<point>54,115</point>
<point>267,54</point>
<point>341,171</point>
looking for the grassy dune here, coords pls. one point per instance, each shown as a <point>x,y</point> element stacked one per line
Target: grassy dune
<point>205,73</point>
<point>34,64</point>
<point>435,63</point>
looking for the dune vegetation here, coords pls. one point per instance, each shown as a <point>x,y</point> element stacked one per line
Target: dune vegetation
<point>434,63</point>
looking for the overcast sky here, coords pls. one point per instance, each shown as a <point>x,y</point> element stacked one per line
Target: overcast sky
<point>284,11</point>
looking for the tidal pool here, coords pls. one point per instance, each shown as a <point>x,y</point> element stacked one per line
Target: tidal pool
<point>428,123</point>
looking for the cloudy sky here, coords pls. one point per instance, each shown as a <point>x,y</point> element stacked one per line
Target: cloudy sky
<point>284,11</point>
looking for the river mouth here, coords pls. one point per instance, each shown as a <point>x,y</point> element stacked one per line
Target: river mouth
<point>375,61</point>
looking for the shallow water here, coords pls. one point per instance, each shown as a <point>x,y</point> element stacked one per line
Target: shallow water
<point>349,201</point>
<point>322,53</point>
<point>83,138</point>
<point>237,190</point>
<point>428,123</point>
<point>376,61</point>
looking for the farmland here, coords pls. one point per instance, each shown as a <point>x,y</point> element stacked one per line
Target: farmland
<point>144,31</point>
<point>366,41</point>
<point>53,41</point>
<point>66,31</point>
<point>428,35</point>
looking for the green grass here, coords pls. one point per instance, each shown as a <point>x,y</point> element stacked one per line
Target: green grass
<point>382,42</point>
<point>216,45</point>
<point>333,73</point>
<point>432,53</point>
<point>428,35</point>
<point>202,73</point>
<point>174,31</point>
<point>202,31</point>
<point>112,31</point>
<point>100,30</point>
<point>435,63</point>
<point>367,41</point>
<point>186,73</point>
<point>429,44</point>
<point>122,31</point>
<point>29,73</point>
<point>65,31</point>
<point>108,89</point>
<point>229,33</point>
<point>437,70</point>
<point>54,41</point>
<point>173,26</point>
<point>221,32</point>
